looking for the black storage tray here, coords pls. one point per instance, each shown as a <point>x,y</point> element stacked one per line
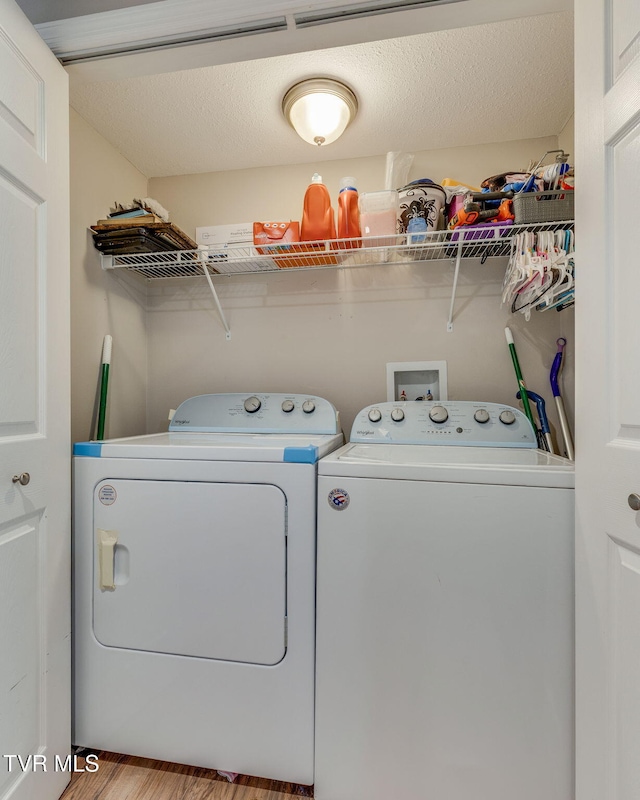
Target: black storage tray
<point>138,240</point>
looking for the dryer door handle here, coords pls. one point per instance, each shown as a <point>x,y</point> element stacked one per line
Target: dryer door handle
<point>107,541</point>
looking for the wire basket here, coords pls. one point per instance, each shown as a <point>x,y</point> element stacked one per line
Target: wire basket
<point>543,207</point>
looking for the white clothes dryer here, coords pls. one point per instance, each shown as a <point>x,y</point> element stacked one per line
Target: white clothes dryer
<point>194,557</point>
<point>444,609</point>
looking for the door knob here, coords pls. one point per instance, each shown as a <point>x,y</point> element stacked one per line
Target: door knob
<point>634,501</point>
<point>23,479</point>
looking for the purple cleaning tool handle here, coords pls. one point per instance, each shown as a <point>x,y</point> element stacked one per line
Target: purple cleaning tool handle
<point>555,367</point>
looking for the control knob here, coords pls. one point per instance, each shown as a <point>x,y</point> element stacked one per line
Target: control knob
<point>507,417</point>
<point>397,415</point>
<point>375,415</point>
<point>308,406</point>
<point>288,406</point>
<point>252,404</point>
<point>481,416</point>
<point>438,414</point>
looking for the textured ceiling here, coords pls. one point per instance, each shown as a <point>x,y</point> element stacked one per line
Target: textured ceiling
<point>487,83</point>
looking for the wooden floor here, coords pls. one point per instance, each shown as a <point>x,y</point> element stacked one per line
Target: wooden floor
<point>129,778</point>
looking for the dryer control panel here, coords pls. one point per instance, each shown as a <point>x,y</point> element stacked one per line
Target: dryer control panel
<point>256,413</point>
<point>463,423</point>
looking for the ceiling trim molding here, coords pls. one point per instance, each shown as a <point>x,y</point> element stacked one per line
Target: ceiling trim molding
<point>169,23</point>
<point>163,21</point>
<point>351,11</point>
<point>75,40</point>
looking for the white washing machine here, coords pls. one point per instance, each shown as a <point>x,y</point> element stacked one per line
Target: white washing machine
<point>444,651</point>
<point>194,557</point>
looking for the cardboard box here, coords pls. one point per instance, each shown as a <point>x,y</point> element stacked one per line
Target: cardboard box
<point>233,240</point>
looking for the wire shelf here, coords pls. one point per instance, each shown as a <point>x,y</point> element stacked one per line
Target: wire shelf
<point>483,243</point>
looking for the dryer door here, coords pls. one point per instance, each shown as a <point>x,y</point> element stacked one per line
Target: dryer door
<point>191,569</point>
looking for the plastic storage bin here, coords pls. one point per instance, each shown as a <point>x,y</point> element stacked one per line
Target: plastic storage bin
<point>486,230</point>
<point>543,207</point>
<point>378,217</point>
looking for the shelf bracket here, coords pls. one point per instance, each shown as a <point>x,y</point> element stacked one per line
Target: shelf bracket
<point>216,300</point>
<point>455,284</point>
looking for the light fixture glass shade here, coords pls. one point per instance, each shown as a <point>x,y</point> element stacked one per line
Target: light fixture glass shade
<point>319,109</point>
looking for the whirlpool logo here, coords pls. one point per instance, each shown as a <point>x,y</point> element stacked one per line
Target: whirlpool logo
<point>366,433</point>
<point>181,421</point>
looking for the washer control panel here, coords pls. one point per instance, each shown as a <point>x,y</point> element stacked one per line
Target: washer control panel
<point>464,423</point>
<point>256,413</point>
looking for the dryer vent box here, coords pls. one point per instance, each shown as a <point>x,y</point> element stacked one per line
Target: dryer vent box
<point>419,380</point>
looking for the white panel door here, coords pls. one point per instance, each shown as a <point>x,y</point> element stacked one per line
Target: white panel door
<point>34,413</point>
<point>199,569</point>
<point>608,400</point>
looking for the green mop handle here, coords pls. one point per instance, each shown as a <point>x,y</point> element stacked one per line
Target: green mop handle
<point>521,386</point>
<point>104,382</point>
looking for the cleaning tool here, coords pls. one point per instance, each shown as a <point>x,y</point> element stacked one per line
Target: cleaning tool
<point>544,421</point>
<point>484,207</point>
<point>543,434</point>
<point>564,423</point>
<point>519,378</point>
<point>104,383</point>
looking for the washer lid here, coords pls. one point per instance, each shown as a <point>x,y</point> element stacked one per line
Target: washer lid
<point>295,448</point>
<point>487,465</point>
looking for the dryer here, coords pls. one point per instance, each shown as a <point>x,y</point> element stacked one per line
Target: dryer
<point>194,579</point>
<point>444,609</point>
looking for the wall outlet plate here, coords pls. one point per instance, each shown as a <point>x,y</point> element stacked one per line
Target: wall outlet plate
<point>417,380</point>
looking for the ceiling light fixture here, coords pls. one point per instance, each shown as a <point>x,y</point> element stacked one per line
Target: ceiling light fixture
<point>319,109</point>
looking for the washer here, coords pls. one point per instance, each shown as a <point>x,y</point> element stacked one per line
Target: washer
<point>195,586</point>
<point>444,609</point>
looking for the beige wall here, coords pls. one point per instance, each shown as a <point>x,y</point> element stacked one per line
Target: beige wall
<point>275,193</point>
<point>103,302</point>
<point>332,332</point>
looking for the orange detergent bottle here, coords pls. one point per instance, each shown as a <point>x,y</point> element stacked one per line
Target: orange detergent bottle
<point>348,213</point>
<point>318,221</point>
